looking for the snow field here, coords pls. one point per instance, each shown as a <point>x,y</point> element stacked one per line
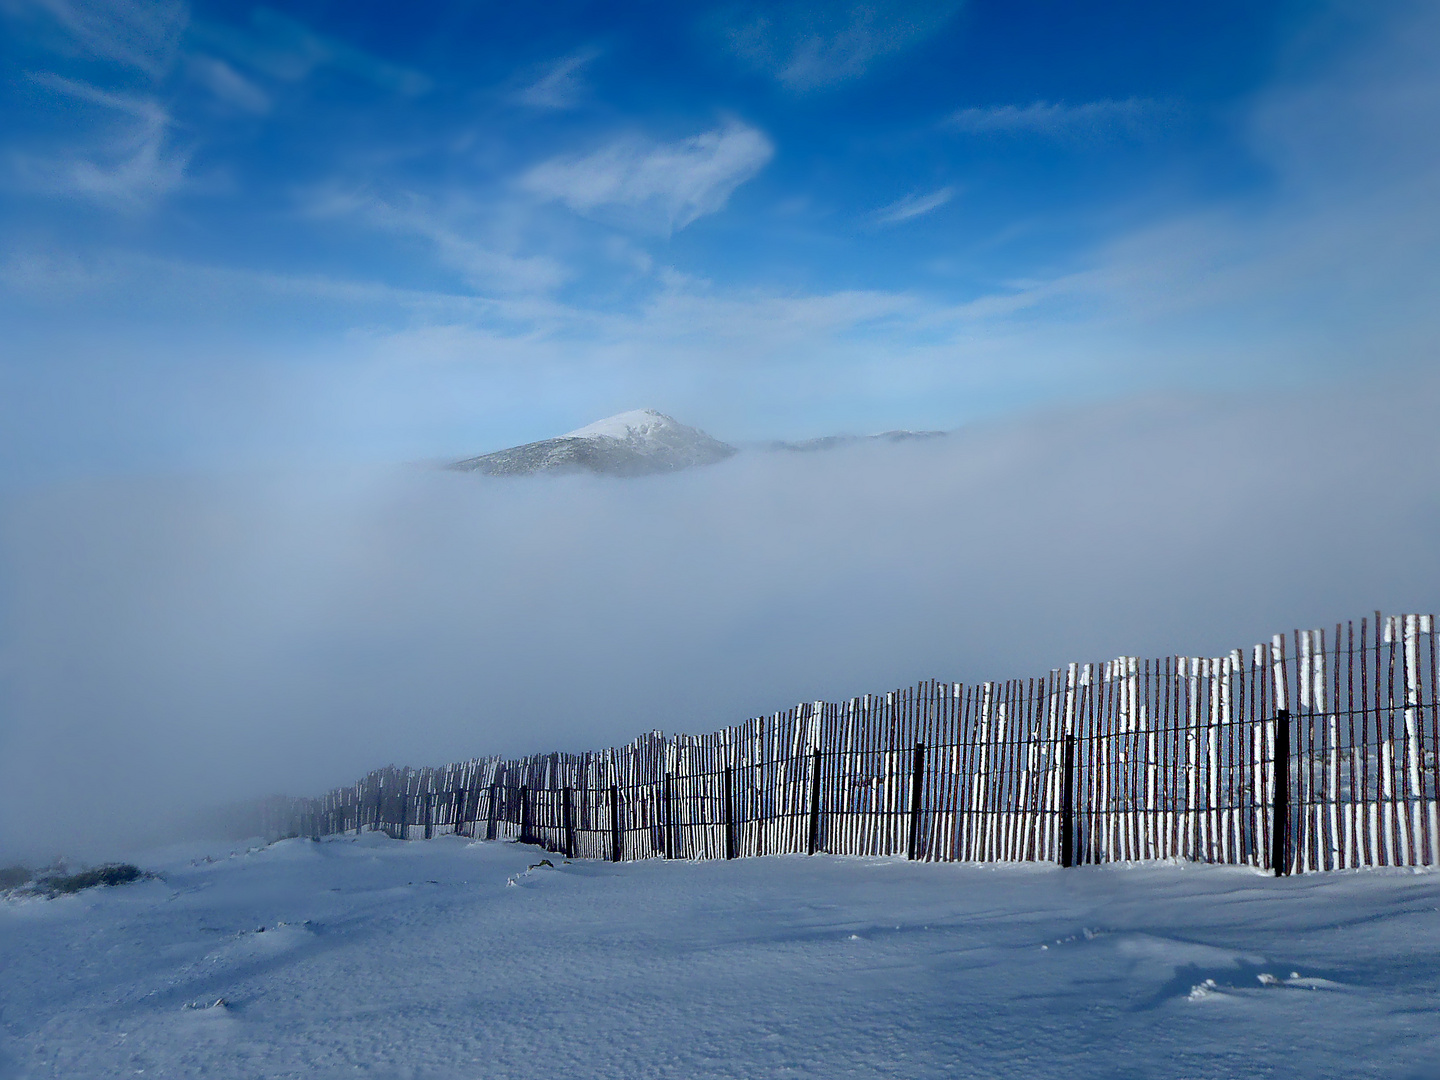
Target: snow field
<point>452,959</point>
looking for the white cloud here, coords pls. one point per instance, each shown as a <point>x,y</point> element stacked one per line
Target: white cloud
<point>1057,120</point>
<point>660,186</point>
<point>143,34</point>
<point>806,46</point>
<point>227,84</point>
<point>913,206</point>
<point>561,87</point>
<point>131,166</point>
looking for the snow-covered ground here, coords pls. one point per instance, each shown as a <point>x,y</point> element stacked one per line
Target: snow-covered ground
<point>448,959</point>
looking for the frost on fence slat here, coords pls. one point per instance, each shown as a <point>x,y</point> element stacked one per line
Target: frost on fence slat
<point>1425,624</point>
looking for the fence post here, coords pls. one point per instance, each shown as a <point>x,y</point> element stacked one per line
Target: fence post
<point>1280,785</point>
<point>429,798</point>
<point>814,801</point>
<point>617,849</point>
<point>916,784</point>
<point>669,839</point>
<point>729,813</point>
<point>1067,802</point>
<point>524,813</point>
<point>569,825</point>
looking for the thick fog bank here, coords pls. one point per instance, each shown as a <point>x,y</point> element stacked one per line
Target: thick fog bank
<point>173,644</point>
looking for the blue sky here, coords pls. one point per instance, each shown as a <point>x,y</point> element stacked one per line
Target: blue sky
<point>234,235</point>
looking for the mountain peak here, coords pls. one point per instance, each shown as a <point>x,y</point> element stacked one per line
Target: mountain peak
<point>627,425</point>
<point>631,443</point>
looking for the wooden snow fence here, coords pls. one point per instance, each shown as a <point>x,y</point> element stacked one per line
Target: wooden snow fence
<point>1312,752</point>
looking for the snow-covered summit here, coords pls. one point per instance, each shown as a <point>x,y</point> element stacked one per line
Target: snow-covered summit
<point>628,444</point>
<point>637,423</point>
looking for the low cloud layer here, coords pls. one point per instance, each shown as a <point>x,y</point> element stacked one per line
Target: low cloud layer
<point>169,645</point>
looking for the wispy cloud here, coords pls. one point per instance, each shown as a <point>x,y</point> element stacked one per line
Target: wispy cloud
<point>656,186</point>
<point>913,206</point>
<point>287,50</point>
<point>806,46</point>
<point>143,34</point>
<point>1057,120</point>
<point>1327,275</point>
<point>458,240</point>
<point>227,84</point>
<point>130,166</point>
<point>562,85</point>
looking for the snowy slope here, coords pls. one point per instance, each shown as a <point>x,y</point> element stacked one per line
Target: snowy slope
<point>447,959</point>
<point>637,424</point>
<point>632,443</point>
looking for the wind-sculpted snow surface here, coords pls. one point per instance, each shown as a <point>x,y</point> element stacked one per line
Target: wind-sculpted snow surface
<point>448,959</point>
